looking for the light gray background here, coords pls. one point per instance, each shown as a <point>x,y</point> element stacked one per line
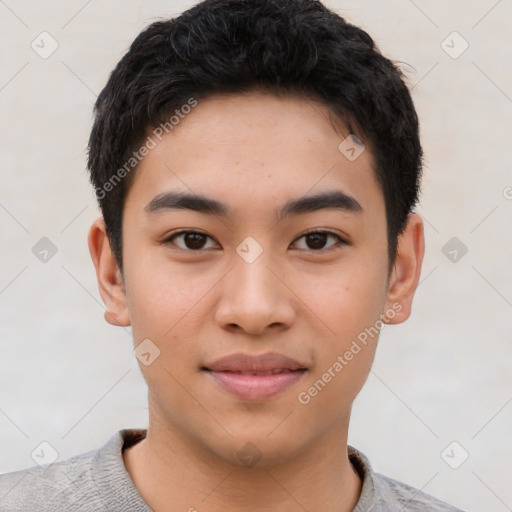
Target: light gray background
<point>69,378</point>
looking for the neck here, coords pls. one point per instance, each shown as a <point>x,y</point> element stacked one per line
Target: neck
<point>172,473</point>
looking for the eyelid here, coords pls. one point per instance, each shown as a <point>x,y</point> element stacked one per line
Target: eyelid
<point>324,232</point>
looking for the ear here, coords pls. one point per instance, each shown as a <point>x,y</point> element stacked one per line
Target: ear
<point>406,271</point>
<point>110,279</point>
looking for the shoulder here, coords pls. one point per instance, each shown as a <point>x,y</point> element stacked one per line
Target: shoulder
<point>384,494</point>
<point>93,481</point>
<point>60,486</point>
<point>407,498</point>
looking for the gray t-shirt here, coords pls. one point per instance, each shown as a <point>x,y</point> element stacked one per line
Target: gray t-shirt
<point>98,481</point>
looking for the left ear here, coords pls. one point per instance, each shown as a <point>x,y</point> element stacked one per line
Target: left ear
<point>406,271</point>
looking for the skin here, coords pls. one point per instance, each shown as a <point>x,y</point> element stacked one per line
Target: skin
<point>253,152</point>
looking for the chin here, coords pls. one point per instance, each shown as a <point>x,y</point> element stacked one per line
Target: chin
<point>257,450</point>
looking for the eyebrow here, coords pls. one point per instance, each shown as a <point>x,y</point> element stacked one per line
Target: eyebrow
<point>330,200</point>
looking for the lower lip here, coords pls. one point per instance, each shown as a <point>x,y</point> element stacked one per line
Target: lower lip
<point>256,387</point>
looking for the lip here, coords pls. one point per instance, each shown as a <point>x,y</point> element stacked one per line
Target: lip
<point>255,377</point>
<point>241,362</point>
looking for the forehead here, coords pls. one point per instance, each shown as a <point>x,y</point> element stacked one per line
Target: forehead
<point>252,149</point>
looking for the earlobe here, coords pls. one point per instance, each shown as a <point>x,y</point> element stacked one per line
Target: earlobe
<point>110,281</point>
<point>406,272</point>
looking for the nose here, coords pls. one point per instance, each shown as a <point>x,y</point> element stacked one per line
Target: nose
<point>255,298</point>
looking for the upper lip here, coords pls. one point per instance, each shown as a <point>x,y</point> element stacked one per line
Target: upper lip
<point>254,363</point>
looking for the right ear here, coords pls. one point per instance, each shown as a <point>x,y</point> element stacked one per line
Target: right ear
<point>110,279</point>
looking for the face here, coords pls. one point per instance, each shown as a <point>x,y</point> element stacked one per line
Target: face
<point>278,259</point>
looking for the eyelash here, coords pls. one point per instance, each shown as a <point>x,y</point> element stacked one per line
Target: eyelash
<point>340,241</point>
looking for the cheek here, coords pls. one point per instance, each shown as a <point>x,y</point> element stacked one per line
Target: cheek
<point>348,309</point>
<point>169,307</point>
<point>162,296</point>
<point>344,300</point>
<point>347,304</point>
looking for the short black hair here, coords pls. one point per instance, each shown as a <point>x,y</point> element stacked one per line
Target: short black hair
<point>234,46</point>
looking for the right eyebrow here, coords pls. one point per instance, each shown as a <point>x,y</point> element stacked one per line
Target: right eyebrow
<point>184,201</point>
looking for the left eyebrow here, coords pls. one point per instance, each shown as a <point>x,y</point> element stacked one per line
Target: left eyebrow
<point>330,200</point>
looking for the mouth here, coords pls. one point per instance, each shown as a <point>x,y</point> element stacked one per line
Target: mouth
<point>255,377</point>
<point>275,371</point>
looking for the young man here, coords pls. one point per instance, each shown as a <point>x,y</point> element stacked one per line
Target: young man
<point>256,163</point>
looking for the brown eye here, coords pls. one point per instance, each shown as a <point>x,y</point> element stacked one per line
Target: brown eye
<point>318,240</point>
<point>189,240</point>
<point>194,240</point>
